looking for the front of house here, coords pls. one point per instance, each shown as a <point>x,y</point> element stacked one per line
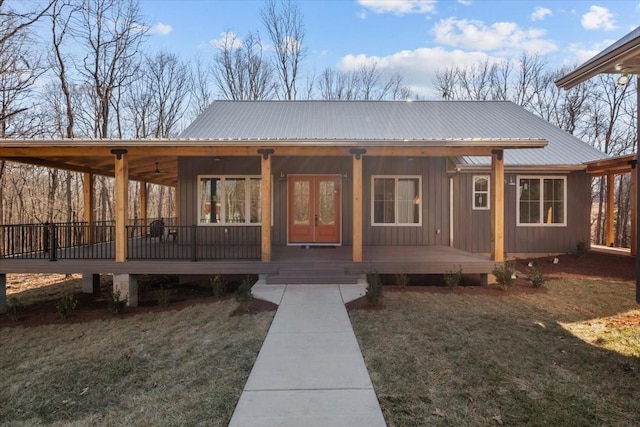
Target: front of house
<point>391,186</point>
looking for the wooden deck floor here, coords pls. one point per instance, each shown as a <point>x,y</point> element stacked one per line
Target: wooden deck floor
<point>382,259</point>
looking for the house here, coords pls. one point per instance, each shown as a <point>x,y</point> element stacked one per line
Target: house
<point>332,187</point>
<point>622,57</point>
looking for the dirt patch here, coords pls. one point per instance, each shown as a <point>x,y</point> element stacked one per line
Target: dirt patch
<point>591,265</point>
<point>254,307</point>
<point>624,321</point>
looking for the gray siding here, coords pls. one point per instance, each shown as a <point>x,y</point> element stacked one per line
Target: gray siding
<point>472,228</point>
<point>435,202</point>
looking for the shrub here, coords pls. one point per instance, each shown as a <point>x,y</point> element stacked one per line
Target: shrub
<point>581,248</point>
<point>66,305</point>
<point>163,296</point>
<point>536,278</point>
<point>504,275</point>
<point>218,285</point>
<point>14,308</point>
<point>453,278</point>
<point>374,288</point>
<point>243,293</point>
<point>401,279</point>
<point>116,303</point>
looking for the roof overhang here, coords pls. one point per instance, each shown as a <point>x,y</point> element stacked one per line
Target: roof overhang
<point>613,165</point>
<point>149,156</point>
<point>622,57</point>
<point>461,167</point>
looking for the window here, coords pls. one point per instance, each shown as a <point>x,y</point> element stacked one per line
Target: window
<point>542,201</point>
<point>396,200</point>
<point>480,192</point>
<point>229,200</point>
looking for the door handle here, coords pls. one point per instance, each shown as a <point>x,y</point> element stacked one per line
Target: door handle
<point>316,219</point>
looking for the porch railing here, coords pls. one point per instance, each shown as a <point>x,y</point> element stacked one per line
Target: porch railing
<point>80,240</point>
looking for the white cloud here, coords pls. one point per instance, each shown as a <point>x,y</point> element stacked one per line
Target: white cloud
<point>417,67</point>
<point>500,37</point>
<point>465,2</point>
<point>540,13</point>
<point>161,29</point>
<point>399,7</point>
<point>362,14</point>
<point>598,18</point>
<point>228,38</point>
<point>581,53</point>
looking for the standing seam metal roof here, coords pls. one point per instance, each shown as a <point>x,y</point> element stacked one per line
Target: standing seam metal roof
<point>364,121</point>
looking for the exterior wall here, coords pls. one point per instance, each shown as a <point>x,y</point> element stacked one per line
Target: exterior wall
<point>472,227</point>
<point>435,202</point>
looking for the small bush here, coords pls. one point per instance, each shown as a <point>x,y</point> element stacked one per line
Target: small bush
<point>218,285</point>
<point>163,296</point>
<point>401,279</point>
<point>66,305</point>
<point>243,293</point>
<point>453,278</point>
<point>14,308</point>
<point>536,278</point>
<point>374,288</point>
<point>116,303</point>
<point>504,275</point>
<point>581,248</point>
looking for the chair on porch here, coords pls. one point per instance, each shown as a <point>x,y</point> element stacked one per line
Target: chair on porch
<point>156,229</point>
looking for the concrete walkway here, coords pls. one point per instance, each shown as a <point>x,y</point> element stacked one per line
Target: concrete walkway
<point>310,370</point>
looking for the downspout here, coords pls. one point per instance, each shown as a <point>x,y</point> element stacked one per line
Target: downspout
<point>451,210</point>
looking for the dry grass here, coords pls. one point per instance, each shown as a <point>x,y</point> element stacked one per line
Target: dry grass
<point>567,356</point>
<point>185,367</point>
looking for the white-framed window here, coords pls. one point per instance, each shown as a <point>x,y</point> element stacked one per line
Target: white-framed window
<point>228,200</point>
<point>481,192</point>
<point>542,201</point>
<point>396,200</point>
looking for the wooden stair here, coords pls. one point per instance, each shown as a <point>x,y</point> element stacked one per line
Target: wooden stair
<point>314,276</point>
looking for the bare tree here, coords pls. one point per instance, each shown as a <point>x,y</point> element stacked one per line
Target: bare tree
<point>201,96</point>
<point>286,32</point>
<point>366,83</point>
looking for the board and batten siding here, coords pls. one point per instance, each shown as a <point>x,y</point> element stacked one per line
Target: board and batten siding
<point>434,196</point>
<point>472,227</point>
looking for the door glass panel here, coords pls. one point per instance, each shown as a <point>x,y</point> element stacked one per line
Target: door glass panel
<point>327,203</point>
<point>301,206</point>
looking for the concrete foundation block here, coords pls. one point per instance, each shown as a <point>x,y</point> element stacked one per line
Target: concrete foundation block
<point>91,284</point>
<point>127,285</point>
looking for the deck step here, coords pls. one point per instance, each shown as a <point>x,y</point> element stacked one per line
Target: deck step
<point>299,276</point>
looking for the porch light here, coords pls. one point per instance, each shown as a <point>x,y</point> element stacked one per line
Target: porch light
<point>345,177</point>
<point>282,176</point>
<point>157,171</point>
<point>623,80</point>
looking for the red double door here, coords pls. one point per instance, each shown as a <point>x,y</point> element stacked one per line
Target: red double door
<point>314,209</point>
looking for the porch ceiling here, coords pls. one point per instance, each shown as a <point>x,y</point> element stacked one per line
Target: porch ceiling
<point>95,156</point>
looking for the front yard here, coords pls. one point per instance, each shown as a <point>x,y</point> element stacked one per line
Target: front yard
<point>567,354</point>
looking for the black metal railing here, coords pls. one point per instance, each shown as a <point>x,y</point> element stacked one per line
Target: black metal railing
<point>195,242</point>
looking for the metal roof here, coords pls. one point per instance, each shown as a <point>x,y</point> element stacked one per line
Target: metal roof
<point>400,121</point>
<point>622,57</point>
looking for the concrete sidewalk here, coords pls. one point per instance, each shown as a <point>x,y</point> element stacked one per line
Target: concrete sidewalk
<point>310,369</point>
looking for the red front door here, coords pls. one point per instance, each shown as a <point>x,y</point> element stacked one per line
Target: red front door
<point>314,209</point>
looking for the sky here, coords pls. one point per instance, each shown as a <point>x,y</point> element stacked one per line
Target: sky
<point>411,37</point>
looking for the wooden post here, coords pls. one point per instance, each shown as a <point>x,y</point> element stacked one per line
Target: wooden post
<point>88,211</point>
<point>121,190</point>
<point>265,203</point>
<point>634,211</point>
<point>497,206</point>
<point>610,202</point>
<point>144,199</point>
<point>357,204</point>
<point>176,205</point>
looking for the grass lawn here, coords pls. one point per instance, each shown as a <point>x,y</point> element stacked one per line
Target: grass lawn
<point>172,367</point>
<point>568,354</point>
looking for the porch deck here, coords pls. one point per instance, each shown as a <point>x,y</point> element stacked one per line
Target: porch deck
<point>382,259</point>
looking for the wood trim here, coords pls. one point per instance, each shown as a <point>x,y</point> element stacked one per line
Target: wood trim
<point>88,199</point>
<point>634,212</point>
<point>610,205</point>
<point>265,207</point>
<point>121,195</point>
<point>357,209</point>
<point>143,189</point>
<point>497,207</point>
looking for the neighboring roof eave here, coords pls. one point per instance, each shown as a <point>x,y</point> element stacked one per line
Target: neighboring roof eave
<point>605,62</point>
<point>612,165</point>
<point>462,167</point>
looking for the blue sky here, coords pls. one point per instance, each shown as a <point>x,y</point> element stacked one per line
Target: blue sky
<point>412,37</point>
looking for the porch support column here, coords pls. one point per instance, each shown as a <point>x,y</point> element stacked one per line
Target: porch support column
<point>497,205</point>
<point>127,285</point>
<point>143,189</point>
<point>265,203</point>
<point>91,283</point>
<point>121,190</point>
<point>88,211</point>
<point>3,292</point>
<point>634,209</point>
<point>357,203</point>
<point>176,204</point>
<point>610,201</point>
